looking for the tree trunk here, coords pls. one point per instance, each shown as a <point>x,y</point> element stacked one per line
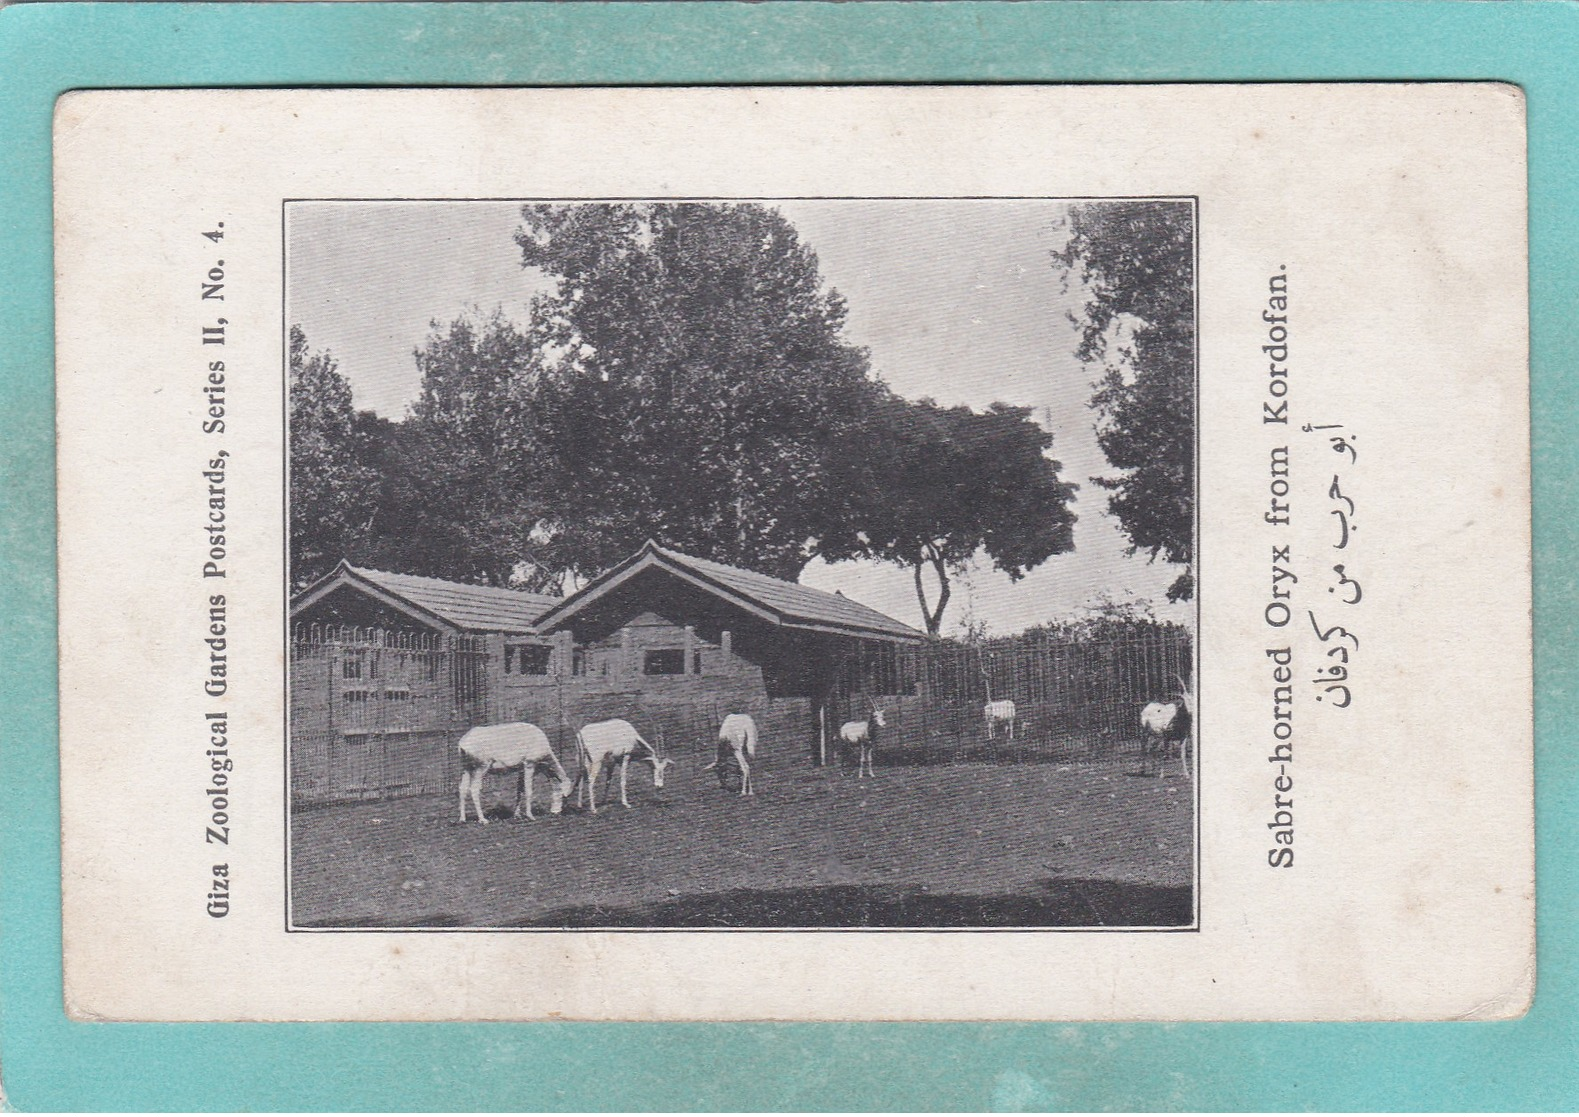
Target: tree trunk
<point>933,617</point>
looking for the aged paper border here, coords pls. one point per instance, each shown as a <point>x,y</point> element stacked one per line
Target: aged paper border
<point>1406,911</point>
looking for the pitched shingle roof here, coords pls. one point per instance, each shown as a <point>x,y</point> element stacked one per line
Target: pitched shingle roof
<point>794,601</point>
<point>473,608</point>
<point>468,608</point>
<point>491,609</point>
<point>786,603</point>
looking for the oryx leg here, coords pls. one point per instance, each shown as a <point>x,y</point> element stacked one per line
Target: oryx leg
<point>466,779</point>
<point>625,764</point>
<point>477,775</point>
<point>523,792</point>
<point>745,774</point>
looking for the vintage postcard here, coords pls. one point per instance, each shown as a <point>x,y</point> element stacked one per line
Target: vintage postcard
<point>911,553</point>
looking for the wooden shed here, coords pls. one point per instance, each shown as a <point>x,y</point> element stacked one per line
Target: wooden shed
<point>387,668</point>
<point>394,664</point>
<point>682,628</point>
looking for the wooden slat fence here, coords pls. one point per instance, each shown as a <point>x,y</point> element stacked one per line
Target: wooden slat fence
<point>1075,700</point>
<point>377,714</point>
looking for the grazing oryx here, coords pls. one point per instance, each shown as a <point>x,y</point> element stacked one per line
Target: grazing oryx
<point>737,737</point>
<point>863,735</point>
<point>1166,722</point>
<point>609,743</point>
<point>514,746</point>
<point>997,713</point>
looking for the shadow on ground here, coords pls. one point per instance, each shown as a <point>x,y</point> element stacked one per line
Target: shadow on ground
<point>1053,903</point>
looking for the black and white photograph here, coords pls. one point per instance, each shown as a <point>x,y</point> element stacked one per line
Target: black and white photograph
<point>757,564</point>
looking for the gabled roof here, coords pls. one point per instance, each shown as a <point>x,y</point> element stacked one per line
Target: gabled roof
<point>781,603</point>
<point>454,604</point>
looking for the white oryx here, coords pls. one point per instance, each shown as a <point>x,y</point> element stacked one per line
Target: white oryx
<point>514,746</point>
<point>998,713</point>
<point>863,735</point>
<point>737,737</point>
<point>606,743</point>
<point>1166,722</point>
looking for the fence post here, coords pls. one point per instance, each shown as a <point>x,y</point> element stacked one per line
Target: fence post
<point>559,713</point>
<point>564,653</point>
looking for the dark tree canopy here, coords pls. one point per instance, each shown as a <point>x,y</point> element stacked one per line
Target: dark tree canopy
<point>938,484</point>
<point>399,534</point>
<point>1136,259</point>
<point>698,389</point>
<point>477,487</point>
<point>331,490</point>
<point>685,378</point>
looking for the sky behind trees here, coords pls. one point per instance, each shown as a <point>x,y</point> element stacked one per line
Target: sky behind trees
<point>957,301</point>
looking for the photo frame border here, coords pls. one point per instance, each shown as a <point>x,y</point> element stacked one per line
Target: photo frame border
<point>289,806</point>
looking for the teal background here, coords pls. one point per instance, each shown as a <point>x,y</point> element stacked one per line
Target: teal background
<point>48,1062</point>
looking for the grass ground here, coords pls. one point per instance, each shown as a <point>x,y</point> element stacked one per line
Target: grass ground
<point>960,845</point>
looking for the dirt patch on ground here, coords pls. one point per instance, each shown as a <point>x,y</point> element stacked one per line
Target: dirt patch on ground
<point>962,845</point>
